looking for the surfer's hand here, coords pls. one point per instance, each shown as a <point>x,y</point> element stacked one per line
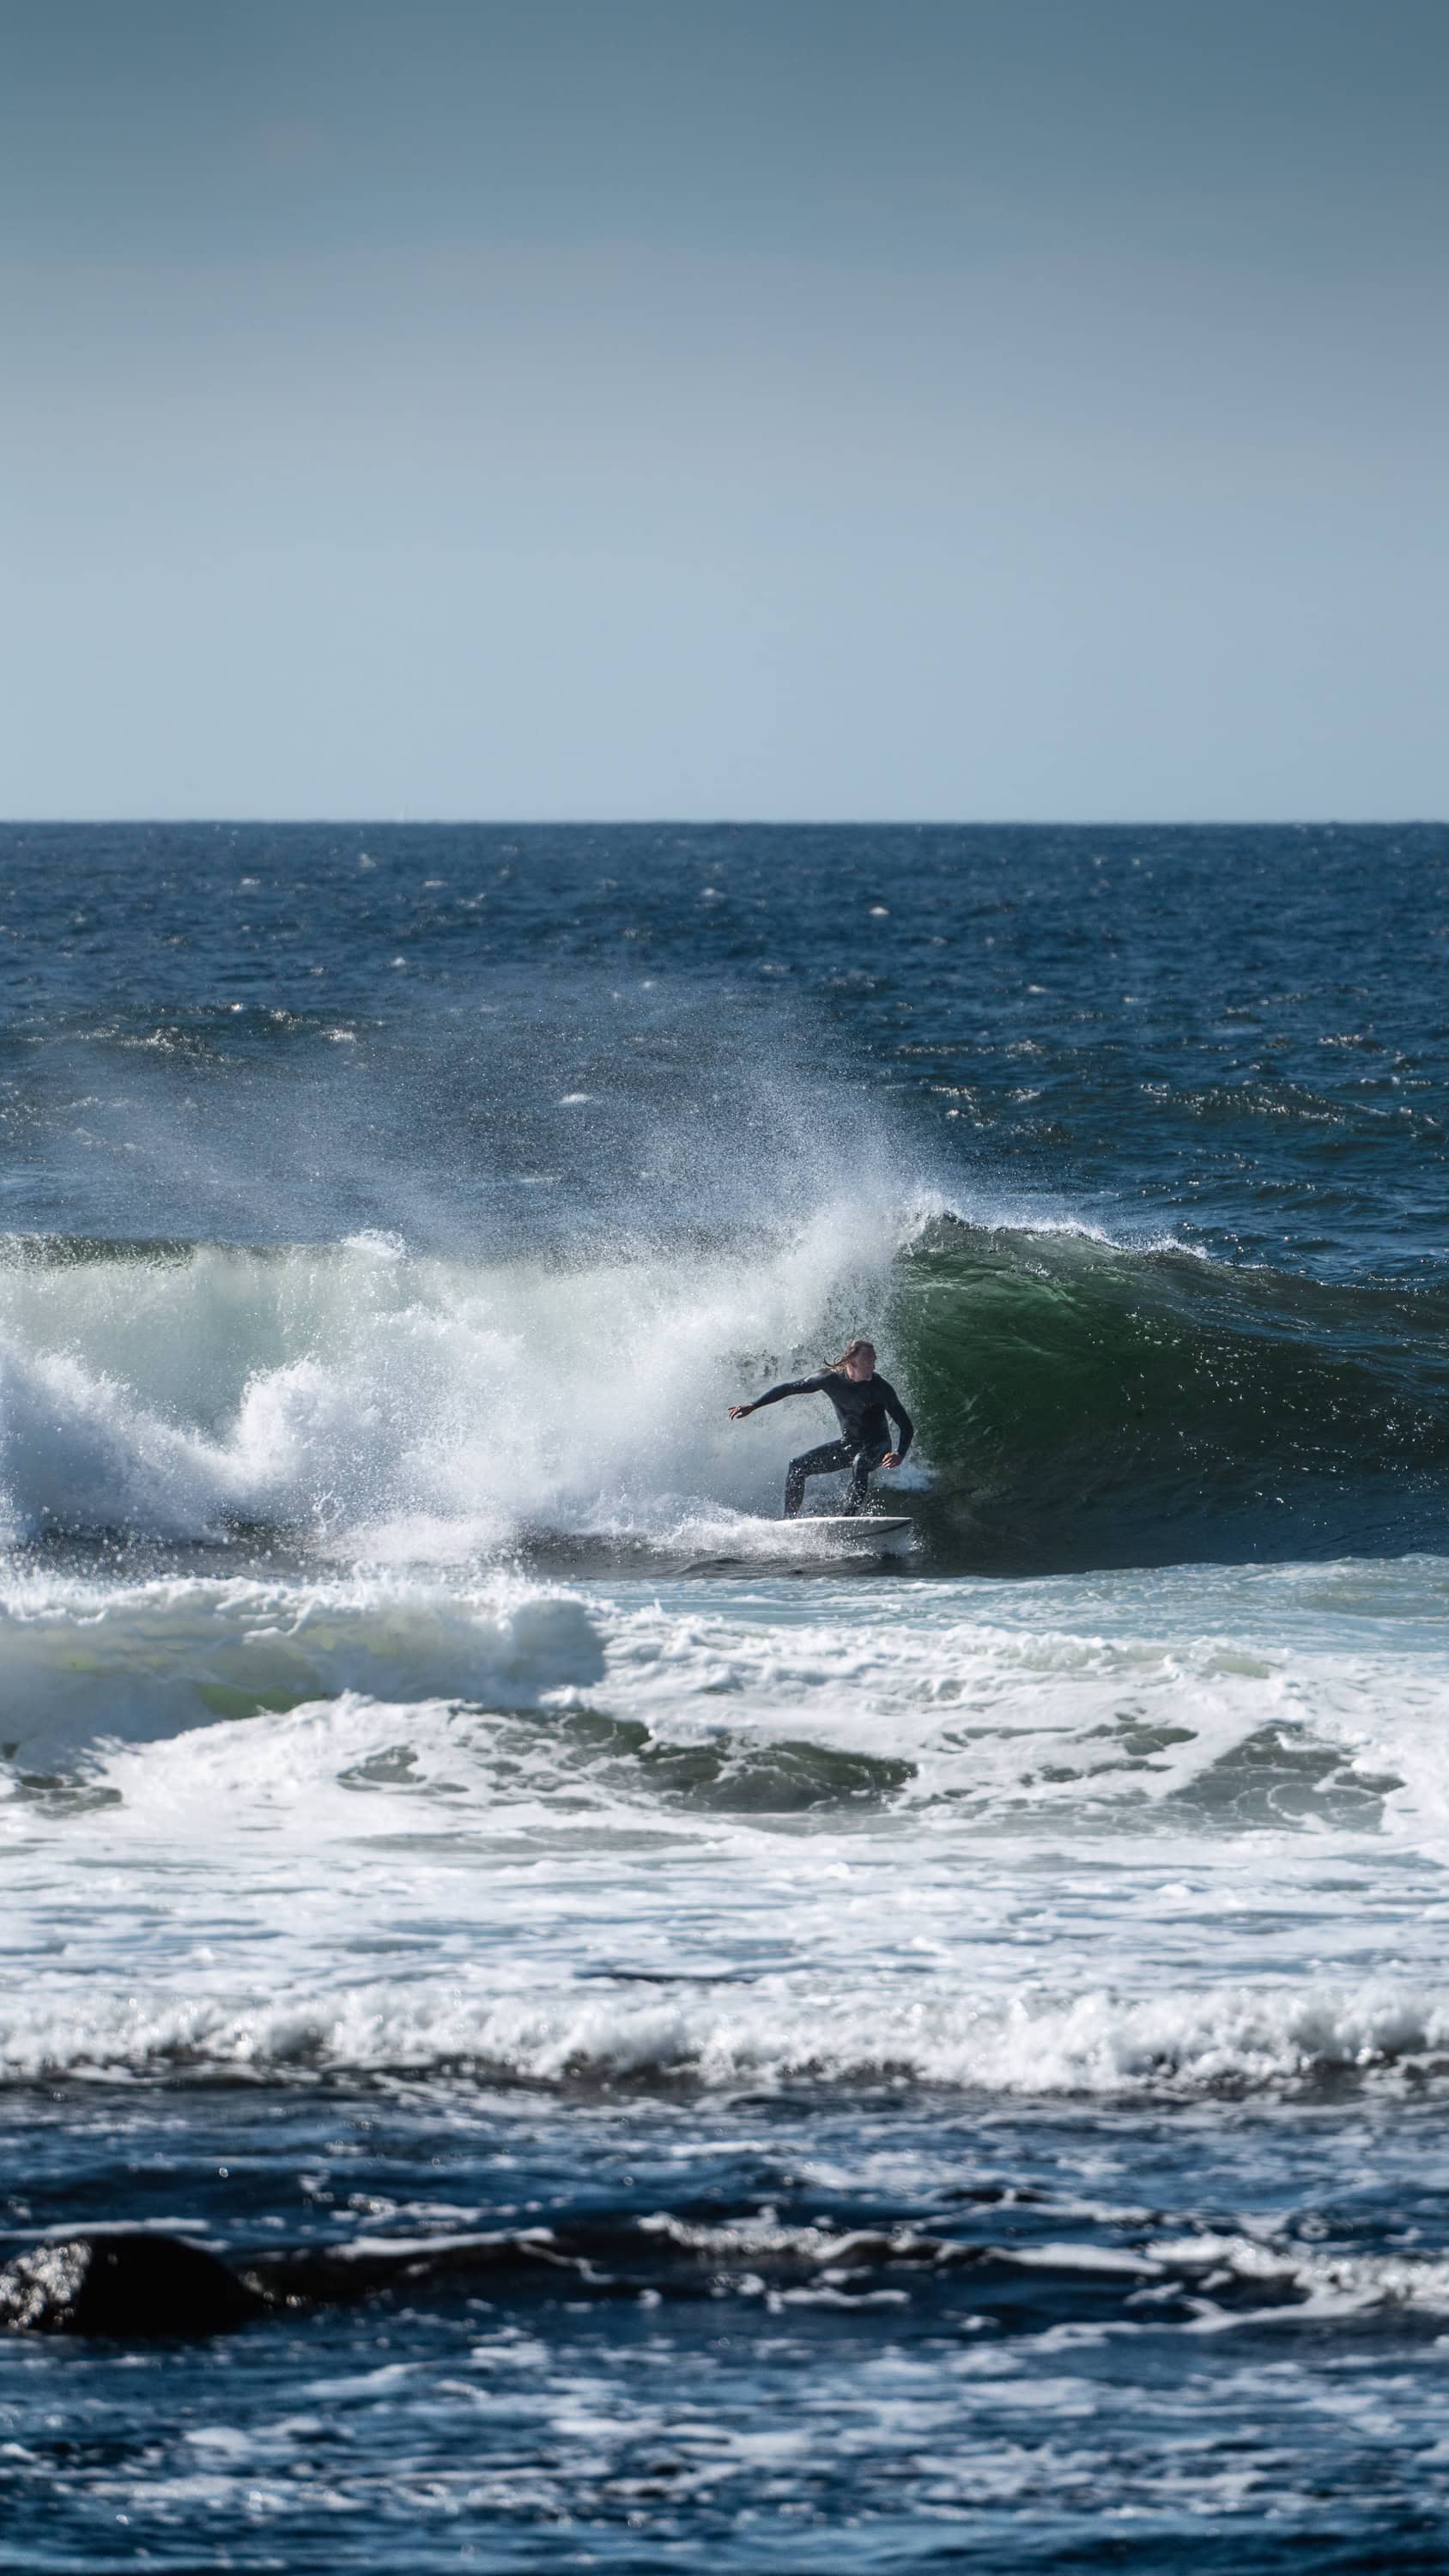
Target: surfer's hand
<point>892,1458</point>
<point>738,1411</point>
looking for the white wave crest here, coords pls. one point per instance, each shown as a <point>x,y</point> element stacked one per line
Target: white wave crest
<point>1237,2038</point>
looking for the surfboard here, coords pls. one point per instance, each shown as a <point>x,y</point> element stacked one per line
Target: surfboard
<point>861,1533</point>
<point>849,1524</point>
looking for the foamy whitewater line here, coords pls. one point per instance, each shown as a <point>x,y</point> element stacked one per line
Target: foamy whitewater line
<point>1329,2284</point>
<point>1325,2283</point>
<point>1222,2038</point>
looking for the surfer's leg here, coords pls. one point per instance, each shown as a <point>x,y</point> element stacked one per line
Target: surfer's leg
<point>812,1462</point>
<point>862,1468</point>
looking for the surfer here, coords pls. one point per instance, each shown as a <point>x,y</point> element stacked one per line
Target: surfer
<point>862,1401</point>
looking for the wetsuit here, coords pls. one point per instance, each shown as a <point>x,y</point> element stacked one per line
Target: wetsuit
<point>861,1406</point>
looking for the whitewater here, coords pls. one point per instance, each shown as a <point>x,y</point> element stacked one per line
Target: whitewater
<point>685,2035</point>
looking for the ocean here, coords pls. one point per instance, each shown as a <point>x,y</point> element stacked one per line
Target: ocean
<point>552,2019</point>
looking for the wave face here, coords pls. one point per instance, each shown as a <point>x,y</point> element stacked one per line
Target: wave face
<point>1090,1402</point>
<point>1079,1401</point>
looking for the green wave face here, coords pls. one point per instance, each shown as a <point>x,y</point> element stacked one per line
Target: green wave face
<point>1084,1403</point>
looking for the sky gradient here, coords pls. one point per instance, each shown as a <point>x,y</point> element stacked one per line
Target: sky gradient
<point>939,409</point>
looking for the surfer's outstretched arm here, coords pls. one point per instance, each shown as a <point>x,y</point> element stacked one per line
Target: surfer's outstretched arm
<point>792,1386</point>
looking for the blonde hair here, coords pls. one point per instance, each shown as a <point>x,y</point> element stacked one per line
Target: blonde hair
<point>850,1350</point>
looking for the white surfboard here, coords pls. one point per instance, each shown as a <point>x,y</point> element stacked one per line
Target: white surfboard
<point>862,1529</point>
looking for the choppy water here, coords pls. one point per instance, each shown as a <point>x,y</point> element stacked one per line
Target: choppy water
<point>718,2049</point>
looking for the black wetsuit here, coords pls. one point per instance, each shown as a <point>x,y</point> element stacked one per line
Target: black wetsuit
<point>861,1406</point>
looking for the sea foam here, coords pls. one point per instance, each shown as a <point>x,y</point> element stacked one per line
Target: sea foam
<point>347,1390</point>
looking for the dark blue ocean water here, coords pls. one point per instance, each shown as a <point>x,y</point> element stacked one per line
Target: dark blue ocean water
<point>1235,1034</point>
<point>707,2045</point>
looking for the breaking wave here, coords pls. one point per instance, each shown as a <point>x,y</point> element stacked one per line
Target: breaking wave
<point>722,2036</point>
<point>1080,1401</point>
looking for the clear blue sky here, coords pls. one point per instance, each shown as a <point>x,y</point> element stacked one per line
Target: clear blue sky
<point>841,408</point>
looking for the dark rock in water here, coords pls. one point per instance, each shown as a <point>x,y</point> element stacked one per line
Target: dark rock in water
<point>127,2286</point>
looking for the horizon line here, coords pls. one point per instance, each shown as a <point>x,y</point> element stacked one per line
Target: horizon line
<point>728,823</point>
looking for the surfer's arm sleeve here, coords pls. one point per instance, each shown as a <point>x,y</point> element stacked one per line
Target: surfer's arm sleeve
<point>792,1386</point>
<point>899,1416</point>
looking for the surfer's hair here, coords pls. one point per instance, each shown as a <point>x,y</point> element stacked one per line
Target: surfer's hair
<point>851,1350</point>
